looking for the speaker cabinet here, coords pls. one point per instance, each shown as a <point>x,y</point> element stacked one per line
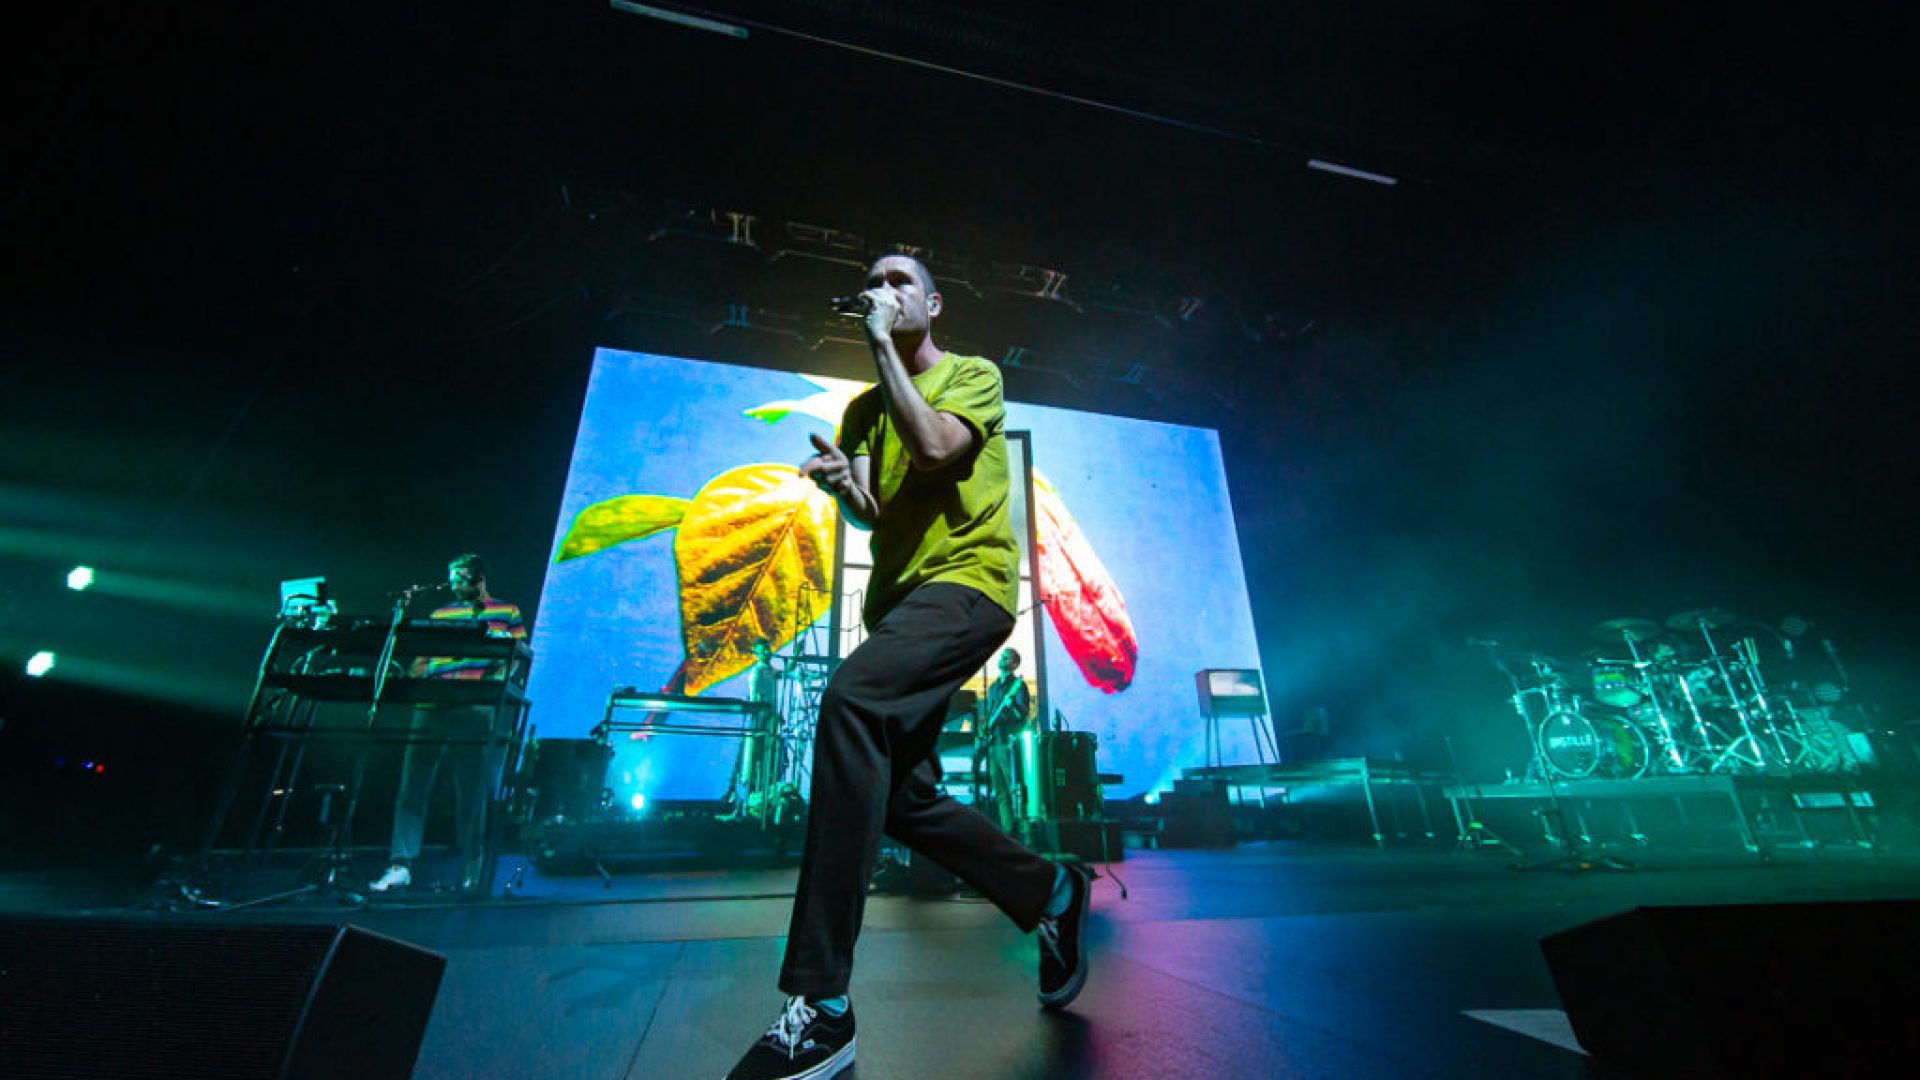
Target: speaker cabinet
<point>1196,814</point>
<point>1745,990</point>
<point>83,997</point>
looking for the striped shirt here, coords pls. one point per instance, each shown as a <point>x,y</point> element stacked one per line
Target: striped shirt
<point>502,620</point>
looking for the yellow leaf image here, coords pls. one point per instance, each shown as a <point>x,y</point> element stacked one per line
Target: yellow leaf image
<point>755,559</point>
<point>618,520</point>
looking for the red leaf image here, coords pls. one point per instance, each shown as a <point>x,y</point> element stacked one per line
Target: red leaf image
<point>1087,609</point>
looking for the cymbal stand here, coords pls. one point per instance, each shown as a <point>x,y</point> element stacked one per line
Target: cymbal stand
<point>1749,654</point>
<point>1845,689</point>
<point>1719,661</point>
<point>1703,732</point>
<point>1644,668</point>
<point>1833,657</point>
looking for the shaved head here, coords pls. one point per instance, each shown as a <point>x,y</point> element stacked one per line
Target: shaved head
<point>920,270</point>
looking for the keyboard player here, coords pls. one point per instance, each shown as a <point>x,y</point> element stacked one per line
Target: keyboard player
<point>472,766</point>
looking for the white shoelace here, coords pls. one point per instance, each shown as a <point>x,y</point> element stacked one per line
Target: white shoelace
<point>790,1023</point>
<point>1049,931</point>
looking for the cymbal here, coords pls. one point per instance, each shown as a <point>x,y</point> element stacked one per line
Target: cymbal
<point>1619,629</point>
<point>1712,618</point>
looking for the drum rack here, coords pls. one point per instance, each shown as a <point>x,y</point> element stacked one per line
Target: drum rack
<point>1790,794</point>
<point>1363,773</point>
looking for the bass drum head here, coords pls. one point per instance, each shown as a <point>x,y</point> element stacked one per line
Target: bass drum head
<point>1626,752</point>
<point>1568,744</point>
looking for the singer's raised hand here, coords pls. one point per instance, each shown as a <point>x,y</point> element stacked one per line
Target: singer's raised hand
<point>829,468</point>
<point>883,311</point>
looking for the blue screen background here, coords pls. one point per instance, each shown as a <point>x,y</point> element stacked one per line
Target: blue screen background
<point>1150,498</point>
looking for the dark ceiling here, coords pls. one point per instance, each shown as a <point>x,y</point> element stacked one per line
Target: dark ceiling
<point>305,287</point>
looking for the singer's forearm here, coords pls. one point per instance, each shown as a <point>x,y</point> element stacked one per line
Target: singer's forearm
<point>858,507</point>
<point>932,438</point>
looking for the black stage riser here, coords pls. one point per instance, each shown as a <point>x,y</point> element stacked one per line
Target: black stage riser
<point>1745,990</point>
<point>124,999</point>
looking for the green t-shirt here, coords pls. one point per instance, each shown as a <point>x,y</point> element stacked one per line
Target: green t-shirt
<point>950,524</point>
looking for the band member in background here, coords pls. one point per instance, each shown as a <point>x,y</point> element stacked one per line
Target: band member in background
<point>1008,704</point>
<point>752,779</point>
<point>921,461</point>
<point>1004,713</point>
<point>472,765</point>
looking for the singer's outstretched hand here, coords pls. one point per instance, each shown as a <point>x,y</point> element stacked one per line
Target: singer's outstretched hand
<point>829,468</point>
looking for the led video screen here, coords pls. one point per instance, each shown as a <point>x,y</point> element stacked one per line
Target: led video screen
<point>685,533</point>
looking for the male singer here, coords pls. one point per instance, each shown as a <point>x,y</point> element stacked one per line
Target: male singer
<point>473,766</point>
<point>921,461</point>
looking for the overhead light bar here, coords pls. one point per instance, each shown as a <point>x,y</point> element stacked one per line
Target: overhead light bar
<point>1348,170</point>
<point>739,28</point>
<point>713,26</point>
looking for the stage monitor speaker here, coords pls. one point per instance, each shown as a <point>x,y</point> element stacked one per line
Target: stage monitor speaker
<point>1745,990</point>
<point>125,998</point>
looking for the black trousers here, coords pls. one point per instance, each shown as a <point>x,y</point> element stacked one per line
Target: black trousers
<point>875,768</point>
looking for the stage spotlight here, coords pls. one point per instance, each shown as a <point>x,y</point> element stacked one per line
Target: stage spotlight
<point>639,801</point>
<point>80,578</point>
<point>41,663</point>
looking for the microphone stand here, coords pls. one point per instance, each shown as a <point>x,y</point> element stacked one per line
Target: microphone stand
<point>1573,855</point>
<point>1473,834</point>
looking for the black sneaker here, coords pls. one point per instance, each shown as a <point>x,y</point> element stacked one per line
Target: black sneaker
<point>1063,950</point>
<point>804,1043</point>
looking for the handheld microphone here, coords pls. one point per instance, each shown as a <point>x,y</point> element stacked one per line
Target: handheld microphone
<point>855,306</point>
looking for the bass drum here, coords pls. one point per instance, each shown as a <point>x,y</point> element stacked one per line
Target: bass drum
<point>1573,746</point>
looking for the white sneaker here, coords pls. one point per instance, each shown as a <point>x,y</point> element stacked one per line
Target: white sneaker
<point>396,877</point>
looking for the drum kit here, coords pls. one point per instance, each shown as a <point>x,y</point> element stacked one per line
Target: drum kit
<point>1685,697</point>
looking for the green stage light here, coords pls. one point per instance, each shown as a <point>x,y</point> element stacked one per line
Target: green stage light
<point>41,663</point>
<point>79,578</point>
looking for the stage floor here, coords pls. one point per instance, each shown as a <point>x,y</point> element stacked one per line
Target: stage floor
<point>1266,960</point>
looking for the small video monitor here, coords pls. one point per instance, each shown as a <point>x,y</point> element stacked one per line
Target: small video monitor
<point>1230,692</point>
